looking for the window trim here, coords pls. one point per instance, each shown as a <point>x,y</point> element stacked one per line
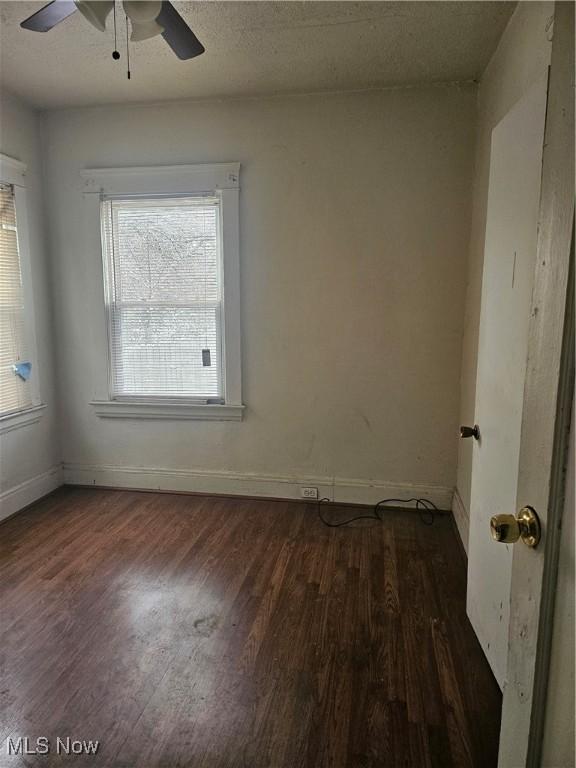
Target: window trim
<point>23,418</point>
<point>13,171</point>
<point>158,409</point>
<point>219,178</point>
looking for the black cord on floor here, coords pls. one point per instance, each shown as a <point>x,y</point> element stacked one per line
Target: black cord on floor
<point>425,508</point>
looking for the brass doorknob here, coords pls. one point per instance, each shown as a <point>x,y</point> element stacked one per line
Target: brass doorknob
<point>507,529</point>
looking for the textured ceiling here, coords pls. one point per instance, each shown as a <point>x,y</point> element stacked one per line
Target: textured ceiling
<point>253,48</point>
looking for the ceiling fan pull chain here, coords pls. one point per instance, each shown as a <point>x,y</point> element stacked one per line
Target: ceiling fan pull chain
<point>127,50</point>
<point>115,52</point>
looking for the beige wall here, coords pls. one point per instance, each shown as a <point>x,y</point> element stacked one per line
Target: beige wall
<point>355,213</point>
<point>30,456</point>
<point>521,58</point>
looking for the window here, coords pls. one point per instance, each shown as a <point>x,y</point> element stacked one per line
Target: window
<point>19,401</point>
<point>15,393</point>
<point>163,296</point>
<point>169,238</point>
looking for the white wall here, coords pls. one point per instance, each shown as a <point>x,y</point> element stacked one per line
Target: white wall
<point>355,213</point>
<point>521,59</point>
<point>30,456</point>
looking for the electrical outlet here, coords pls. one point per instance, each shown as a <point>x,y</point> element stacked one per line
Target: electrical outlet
<point>309,493</point>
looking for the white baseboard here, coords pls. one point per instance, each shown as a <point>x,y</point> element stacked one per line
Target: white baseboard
<point>348,491</point>
<point>462,518</point>
<point>18,497</point>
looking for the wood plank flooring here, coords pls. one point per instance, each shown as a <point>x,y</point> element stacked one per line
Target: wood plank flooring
<point>220,633</point>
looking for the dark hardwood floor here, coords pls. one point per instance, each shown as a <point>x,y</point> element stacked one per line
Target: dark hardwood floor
<point>219,633</point>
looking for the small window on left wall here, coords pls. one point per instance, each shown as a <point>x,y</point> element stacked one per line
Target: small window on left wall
<point>15,368</point>
<point>19,396</point>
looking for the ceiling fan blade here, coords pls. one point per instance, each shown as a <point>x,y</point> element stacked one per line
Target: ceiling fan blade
<point>49,16</point>
<point>177,33</point>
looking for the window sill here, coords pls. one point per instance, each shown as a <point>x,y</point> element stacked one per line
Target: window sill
<point>114,409</point>
<point>21,418</point>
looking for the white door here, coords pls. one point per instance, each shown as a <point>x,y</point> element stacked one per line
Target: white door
<point>509,261</point>
<point>546,413</point>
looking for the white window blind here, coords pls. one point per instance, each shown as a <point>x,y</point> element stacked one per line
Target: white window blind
<point>15,393</point>
<point>163,274</point>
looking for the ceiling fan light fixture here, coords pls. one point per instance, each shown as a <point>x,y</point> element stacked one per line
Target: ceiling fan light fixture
<point>164,17</point>
<point>142,11</point>
<point>95,11</point>
<point>145,30</point>
<point>143,15</point>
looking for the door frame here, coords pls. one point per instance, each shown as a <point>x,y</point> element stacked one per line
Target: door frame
<point>546,417</point>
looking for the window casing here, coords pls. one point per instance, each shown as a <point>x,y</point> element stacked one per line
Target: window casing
<point>168,236</point>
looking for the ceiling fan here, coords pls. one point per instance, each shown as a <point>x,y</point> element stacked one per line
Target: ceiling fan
<point>148,18</point>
